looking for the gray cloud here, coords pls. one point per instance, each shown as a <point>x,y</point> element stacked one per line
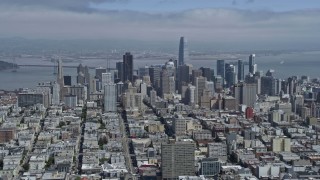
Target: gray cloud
<point>206,25</point>
<point>70,5</point>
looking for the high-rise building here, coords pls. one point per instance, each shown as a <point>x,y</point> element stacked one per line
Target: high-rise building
<point>268,85</point>
<point>155,73</point>
<point>80,91</point>
<point>119,90</point>
<point>252,64</point>
<point>240,70</point>
<point>153,97</point>
<point>119,67</point>
<point>221,69</point>
<point>230,75</point>
<point>70,101</point>
<point>60,72</point>
<point>55,94</point>
<point>207,73</point>
<point>99,72</point>
<point>107,78</point>
<point>218,83</point>
<point>183,76</point>
<point>200,84</point>
<point>110,97</point>
<point>177,160</point>
<point>128,67</point>
<point>245,94</point>
<point>183,51</point>
<point>67,80</point>
<point>30,98</point>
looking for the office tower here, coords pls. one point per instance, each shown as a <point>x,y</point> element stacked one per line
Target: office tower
<point>93,85</point>
<point>240,70</point>
<point>60,73</point>
<point>80,91</point>
<point>245,94</point>
<point>249,94</point>
<point>210,87</point>
<point>183,51</point>
<point>128,96</point>
<point>55,94</point>
<point>252,69</point>
<point>67,80</point>
<point>84,73</point>
<point>128,67</point>
<point>200,83</point>
<point>177,160</point>
<point>146,79</point>
<point>107,78</point>
<point>30,98</point>
<point>221,69</point>
<point>99,72</point>
<point>190,95</point>
<point>153,97</point>
<point>110,97</point>
<point>268,85</point>
<point>167,83</point>
<point>205,98</point>
<point>47,89</point>
<point>60,77</point>
<point>70,101</point>
<point>207,73</point>
<point>155,72</point>
<point>210,167</point>
<point>219,83</point>
<point>119,67</point>
<point>143,89</point>
<point>183,76</point>
<point>143,71</point>
<point>230,75</point>
<point>195,73</point>
<point>119,90</point>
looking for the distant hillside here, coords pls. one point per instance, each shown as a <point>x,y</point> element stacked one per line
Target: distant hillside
<point>6,65</point>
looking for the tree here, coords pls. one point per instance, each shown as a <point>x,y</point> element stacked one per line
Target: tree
<point>26,167</point>
<point>61,123</point>
<point>49,162</point>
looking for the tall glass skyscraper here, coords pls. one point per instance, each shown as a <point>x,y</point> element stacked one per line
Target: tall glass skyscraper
<point>221,68</point>
<point>240,70</point>
<point>183,51</point>
<point>128,67</point>
<point>251,64</point>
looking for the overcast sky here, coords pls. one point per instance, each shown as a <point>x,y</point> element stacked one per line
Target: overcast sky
<point>269,22</point>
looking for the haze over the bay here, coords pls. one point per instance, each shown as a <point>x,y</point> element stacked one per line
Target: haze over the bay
<point>218,24</point>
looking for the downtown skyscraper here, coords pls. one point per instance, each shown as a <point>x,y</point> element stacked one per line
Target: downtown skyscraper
<point>128,67</point>
<point>183,51</point>
<point>240,70</point>
<point>252,64</point>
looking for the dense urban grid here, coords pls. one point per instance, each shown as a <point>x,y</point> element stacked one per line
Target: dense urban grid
<point>164,121</point>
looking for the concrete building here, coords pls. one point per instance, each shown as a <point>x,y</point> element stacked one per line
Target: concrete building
<point>110,97</point>
<point>217,150</point>
<point>70,101</point>
<point>177,160</point>
<point>210,167</point>
<point>280,144</point>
